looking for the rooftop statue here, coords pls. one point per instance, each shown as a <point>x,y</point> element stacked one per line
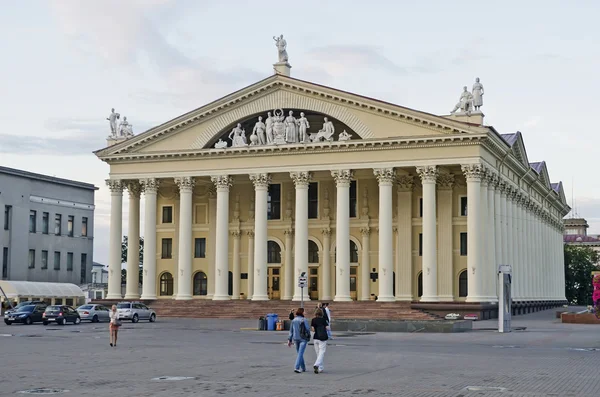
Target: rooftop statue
<point>238,136</point>
<point>281,48</point>
<point>112,119</point>
<point>344,136</point>
<point>477,94</point>
<point>465,103</point>
<point>125,129</point>
<point>221,144</point>
<point>325,133</point>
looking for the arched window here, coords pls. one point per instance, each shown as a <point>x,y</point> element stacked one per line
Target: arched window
<point>353,252</point>
<point>166,284</point>
<point>420,285</point>
<point>200,284</point>
<point>463,286</point>
<point>273,252</point>
<point>313,252</point>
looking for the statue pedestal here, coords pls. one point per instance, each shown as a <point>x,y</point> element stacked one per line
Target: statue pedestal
<point>282,68</point>
<point>475,117</point>
<point>111,140</point>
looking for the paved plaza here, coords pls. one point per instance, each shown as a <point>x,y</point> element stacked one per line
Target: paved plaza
<point>221,358</point>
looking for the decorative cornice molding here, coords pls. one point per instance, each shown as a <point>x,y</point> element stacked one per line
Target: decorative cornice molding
<point>115,185</point>
<point>342,177</point>
<point>428,173</point>
<point>185,183</point>
<point>222,182</point>
<point>261,180</point>
<point>301,178</point>
<point>385,176</point>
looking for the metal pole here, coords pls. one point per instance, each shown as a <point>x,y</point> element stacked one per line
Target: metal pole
<point>302,297</point>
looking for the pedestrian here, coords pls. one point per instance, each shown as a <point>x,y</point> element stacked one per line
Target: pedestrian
<point>300,335</point>
<point>114,325</point>
<point>291,316</point>
<point>319,327</point>
<point>327,314</point>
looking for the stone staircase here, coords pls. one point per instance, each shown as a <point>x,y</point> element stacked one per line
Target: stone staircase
<point>246,309</point>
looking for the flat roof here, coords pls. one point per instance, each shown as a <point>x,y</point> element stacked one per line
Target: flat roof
<point>46,178</point>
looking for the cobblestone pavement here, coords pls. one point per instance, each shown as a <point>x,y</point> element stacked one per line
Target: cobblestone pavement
<point>220,358</point>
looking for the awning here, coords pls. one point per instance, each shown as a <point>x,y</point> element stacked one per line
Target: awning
<point>24,289</point>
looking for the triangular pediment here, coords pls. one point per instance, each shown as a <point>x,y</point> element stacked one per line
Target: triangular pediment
<point>542,170</point>
<point>360,117</point>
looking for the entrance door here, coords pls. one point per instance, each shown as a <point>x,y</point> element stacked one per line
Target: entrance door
<point>273,283</point>
<point>313,284</point>
<point>353,283</point>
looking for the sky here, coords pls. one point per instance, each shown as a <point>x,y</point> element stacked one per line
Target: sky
<point>67,63</point>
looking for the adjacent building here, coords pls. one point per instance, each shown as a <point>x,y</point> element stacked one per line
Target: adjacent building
<point>576,234</point>
<point>48,228</point>
<point>365,198</point>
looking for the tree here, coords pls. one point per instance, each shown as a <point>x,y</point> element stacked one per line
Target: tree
<point>579,263</point>
<point>124,258</point>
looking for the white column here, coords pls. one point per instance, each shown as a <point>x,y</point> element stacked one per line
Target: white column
<point>301,181</point>
<point>132,290</point>
<point>116,231</point>
<point>222,183</point>
<point>446,279</point>
<point>288,289</point>
<point>429,176</point>
<point>261,185</point>
<point>511,239</point>
<point>250,264</point>
<point>365,266</point>
<point>547,264</point>
<point>405,258</point>
<point>527,243</point>
<point>561,262</point>
<point>211,244</point>
<point>385,178</point>
<point>326,272</point>
<point>538,252</point>
<point>518,269</point>
<point>485,248</point>
<point>504,191</point>
<point>236,234</point>
<point>184,279</point>
<point>474,173</point>
<point>342,235</point>
<point>150,186</point>
<point>491,278</point>
<point>498,221</point>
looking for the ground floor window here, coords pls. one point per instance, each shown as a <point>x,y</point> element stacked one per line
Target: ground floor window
<point>166,284</point>
<point>463,286</point>
<point>200,284</point>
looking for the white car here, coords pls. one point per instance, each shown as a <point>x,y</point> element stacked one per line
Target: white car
<point>94,313</point>
<point>135,311</point>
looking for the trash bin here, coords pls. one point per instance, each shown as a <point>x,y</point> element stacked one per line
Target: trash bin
<point>286,325</point>
<point>271,321</point>
<point>262,324</point>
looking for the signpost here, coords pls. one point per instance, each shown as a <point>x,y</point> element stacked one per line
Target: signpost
<point>302,283</point>
<point>504,298</point>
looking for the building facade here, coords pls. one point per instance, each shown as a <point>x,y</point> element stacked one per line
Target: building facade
<point>576,234</point>
<point>48,228</point>
<point>367,198</point>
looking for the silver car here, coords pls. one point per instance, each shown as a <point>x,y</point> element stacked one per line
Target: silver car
<point>135,311</point>
<point>94,313</point>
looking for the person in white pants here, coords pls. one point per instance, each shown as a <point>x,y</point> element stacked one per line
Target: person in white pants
<point>320,328</point>
<point>328,315</point>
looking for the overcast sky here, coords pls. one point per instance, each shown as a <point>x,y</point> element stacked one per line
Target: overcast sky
<point>66,63</point>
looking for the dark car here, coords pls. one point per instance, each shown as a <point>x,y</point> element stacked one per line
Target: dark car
<point>61,314</point>
<point>27,303</point>
<point>28,314</point>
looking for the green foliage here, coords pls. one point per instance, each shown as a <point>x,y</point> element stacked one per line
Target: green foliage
<point>579,263</point>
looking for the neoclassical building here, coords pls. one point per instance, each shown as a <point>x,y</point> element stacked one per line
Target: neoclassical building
<point>365,197</point>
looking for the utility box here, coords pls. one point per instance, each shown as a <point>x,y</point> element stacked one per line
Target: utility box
<point>504,298</point>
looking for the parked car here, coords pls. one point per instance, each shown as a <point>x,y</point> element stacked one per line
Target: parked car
<point>28,315</point>
<point>61,314</point>
<point>135,312</point>
<point>94,313</point>
<point>26,303</point>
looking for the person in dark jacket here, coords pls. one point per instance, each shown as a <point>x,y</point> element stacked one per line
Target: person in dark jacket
<point>299,338</point>
<point>320,327</point>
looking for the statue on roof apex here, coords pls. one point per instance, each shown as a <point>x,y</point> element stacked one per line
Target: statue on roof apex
<point>112,119</point>
<point>281,47</point>
<point>477,94</point>
<point>125,129</point>
<point>465,103</point>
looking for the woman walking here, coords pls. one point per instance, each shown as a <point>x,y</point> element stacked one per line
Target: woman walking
<point>320,328</point>
<point>300,335</point>
<point>114,325</point>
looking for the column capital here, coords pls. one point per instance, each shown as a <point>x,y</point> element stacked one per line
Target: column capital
<point>301,178</point>
<point>428,173</point>
<point>236,234</point>
<point>445,181</point>
<point>115,185</point>
<point>222,182</point>
<point>326,231</point>
<point>150,185</point>
<point>342,177</point>
<point>473,172</point>
<point>288,232</point>
<point>260,181</point>
<point>365,231</point>
<point>405,183</point>
<point>185,183</point>
<point>493,179</point>
<point>250,233</point>
<point>134,188</point>
<point>385,176</point>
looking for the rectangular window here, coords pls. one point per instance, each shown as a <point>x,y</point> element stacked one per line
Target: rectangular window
<point>353,199</point>
<point>420,244</point>
<point>32,259</point>
<point>7,214</point>
<point>313,200</point>
<point>56,260</point>
<point>84,227</point>
<point>167,215</point>
<point>167,248</point>
<point>83,277</point>
<point>463,206</point>
<point>5,262</point>
<point>274,202</point>
<point>69,261</point>
<point>70,221</point>
<point>32,221</point>
<point>45,222</point>
<point>200,248</point>
<point>44,259</point>
<point>57,224</point>
<point>463,244</point>
<point>420,207</point>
